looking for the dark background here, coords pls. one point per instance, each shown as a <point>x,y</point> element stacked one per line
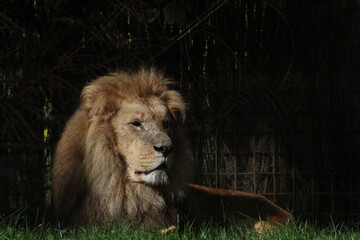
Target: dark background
<point>272,87</point>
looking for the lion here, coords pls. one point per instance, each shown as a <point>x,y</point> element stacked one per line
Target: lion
<point>124,158</point>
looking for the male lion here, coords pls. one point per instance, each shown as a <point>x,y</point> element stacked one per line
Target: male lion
<point>123,158</point>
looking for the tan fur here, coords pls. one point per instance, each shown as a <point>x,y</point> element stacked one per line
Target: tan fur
<point>236,208</point>
<point>108,165</point>
<point>99,153</point>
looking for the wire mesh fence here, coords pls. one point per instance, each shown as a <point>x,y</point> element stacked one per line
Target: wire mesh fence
<point>310,166</point>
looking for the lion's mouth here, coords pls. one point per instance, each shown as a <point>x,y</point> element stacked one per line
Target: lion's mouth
<point>160,167</point>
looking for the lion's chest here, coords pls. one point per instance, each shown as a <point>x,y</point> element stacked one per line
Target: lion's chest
<point>148,207</point>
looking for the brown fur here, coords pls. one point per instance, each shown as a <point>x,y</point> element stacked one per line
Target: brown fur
<point>106,165</point>
<point>229,208</point>
<point>92,182</point>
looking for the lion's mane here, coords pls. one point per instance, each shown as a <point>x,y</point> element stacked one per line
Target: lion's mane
<point>90,183</point>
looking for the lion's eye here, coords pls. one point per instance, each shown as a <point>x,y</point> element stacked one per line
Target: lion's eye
<point>136,124</point>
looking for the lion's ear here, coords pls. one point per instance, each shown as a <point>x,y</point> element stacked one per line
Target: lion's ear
<point>175,104</point>
<point>99,101</point>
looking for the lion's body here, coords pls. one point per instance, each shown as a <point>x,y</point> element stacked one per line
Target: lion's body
<point>97,174</point>
<point>228,208</point>
<point>123,158</point>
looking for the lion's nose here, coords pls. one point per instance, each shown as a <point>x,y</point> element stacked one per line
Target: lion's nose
<point>165,150</point>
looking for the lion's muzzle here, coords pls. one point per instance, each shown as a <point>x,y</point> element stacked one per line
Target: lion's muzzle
<point>161,167</point>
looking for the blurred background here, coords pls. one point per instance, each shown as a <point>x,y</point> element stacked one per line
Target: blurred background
<point>272,87</point>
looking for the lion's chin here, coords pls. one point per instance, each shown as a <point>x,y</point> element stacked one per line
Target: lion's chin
<point>156,177</point>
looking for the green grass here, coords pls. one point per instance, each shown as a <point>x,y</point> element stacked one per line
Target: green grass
<point>298,231</point>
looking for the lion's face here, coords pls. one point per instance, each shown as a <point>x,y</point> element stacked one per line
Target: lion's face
<point>143,139</point>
